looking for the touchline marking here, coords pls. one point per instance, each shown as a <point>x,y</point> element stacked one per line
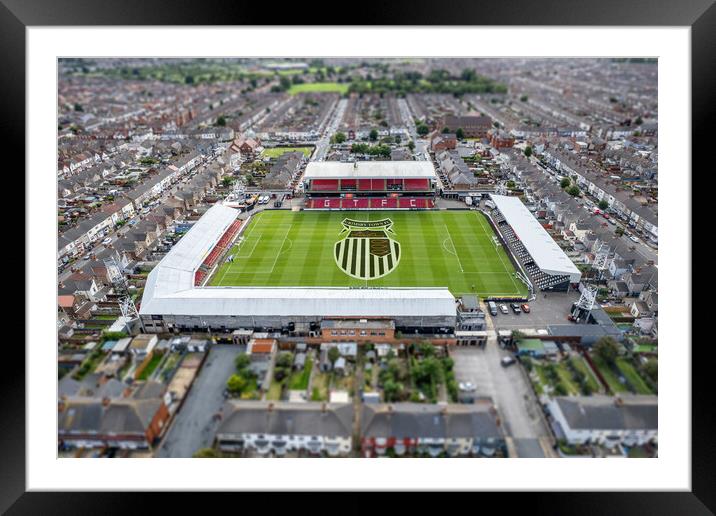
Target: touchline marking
<point>517,288</point>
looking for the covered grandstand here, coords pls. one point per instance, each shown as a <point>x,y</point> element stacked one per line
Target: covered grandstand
<point>546,263</point>
<point>370,185</point>
<point>173,299</point>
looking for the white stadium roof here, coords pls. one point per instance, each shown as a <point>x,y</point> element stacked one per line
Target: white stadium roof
<point>548,256</point>
<point>318,301</point>
<point>170,288</point>
<point>369,169</point>
<point>175,272</point>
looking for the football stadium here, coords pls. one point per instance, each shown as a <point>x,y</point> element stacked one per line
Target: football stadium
<point>453,249</point>
<point>367,244</point>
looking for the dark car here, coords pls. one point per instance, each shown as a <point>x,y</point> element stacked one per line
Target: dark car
<point>516,308</point>
<point>507,361</point>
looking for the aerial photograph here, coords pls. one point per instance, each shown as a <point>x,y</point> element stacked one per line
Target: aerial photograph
<point>357,257</point>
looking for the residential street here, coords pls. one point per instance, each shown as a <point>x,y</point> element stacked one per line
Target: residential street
<point>194,426</point>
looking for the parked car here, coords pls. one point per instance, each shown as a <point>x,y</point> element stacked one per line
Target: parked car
<point>493,308</point>
<point>516,308</point>
<point>107,241</point>
<point>466,386</point>
<point>507,361</point>
<point>526,308</point>
<point>504,309</point>
<point>634,239</point>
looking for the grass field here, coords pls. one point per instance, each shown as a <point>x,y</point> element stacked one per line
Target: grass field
<point>318,87</point>
<point>451,249</point>
<point>275,152</point>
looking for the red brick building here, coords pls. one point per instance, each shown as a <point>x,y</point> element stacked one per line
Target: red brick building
<point>443,141</point>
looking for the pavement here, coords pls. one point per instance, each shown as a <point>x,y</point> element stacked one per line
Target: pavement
<point>194,425</point>
<point>517,405</point>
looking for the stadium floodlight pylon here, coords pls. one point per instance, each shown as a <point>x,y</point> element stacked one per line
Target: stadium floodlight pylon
<point>130,312</point>
<point>602,260</point>
<point>586,303</point>
<point>115,275</point>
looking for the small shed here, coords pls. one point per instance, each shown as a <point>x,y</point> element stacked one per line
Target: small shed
<point>340,366</point>
<point>339,397</point>
<point>299,361</point>
<point>325,364</point>
<point>348,349</point>
<point>371,397</point>
<point>120,348</point>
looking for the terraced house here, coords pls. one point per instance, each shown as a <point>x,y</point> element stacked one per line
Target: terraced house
<point>276,428</point>
<point>416,428</point>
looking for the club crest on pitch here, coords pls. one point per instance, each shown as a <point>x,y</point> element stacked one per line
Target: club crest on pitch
<point>367,250</point>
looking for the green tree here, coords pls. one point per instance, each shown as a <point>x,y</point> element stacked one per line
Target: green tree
<point>527,362</point>
<point>565,182</point>
<point>411,145</point>
<point>242,361</point>
<point>468,75</point>
<point>285,83</point>
<point>573,190</point>
<point>523,98</point>
<point>189,79</point>
<point>284,360</point>
<point>206,453</point>
<point>392,390</point>
<point>423,129</point>
<point>333,354</point>
<point>339,137</point>
<point>445,130</point>
<point>78,107</point>
<point>607,349</point>
<point>651,368</point>
<point>619,231</point>
<point>373,135</point>
<point>603,205</point>
<point>236,384</point>
<point>460,134</point>
<point>221,121</point>
<point>511,184</point>
<point>528,151</point>
<point>426,349</point>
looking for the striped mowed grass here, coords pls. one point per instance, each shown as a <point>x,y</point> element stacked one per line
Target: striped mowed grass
<point>452,249</point>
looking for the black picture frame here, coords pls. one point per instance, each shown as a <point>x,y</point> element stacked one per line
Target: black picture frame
<point>700,15</point>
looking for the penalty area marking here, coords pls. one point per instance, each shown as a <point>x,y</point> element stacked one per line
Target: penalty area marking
<point>453,246</point>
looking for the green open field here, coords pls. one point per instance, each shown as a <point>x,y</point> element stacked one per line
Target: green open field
<point>451,249</point>
<point>319,87</point>
<point>275,152</point>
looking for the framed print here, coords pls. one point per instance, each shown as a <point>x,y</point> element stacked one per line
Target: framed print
<point>433,241</point>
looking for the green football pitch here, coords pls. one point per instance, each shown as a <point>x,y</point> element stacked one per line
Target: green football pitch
<point>453,249</point>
